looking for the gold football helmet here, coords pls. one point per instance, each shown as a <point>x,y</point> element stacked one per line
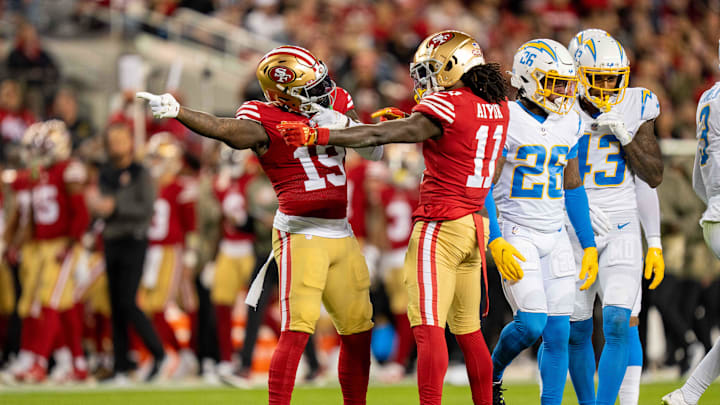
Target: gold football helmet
<point>442,59</point>
<point>291,77</point>
<point>46,143</point>
<point>163,155</point>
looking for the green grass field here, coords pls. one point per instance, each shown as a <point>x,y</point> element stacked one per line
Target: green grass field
<point>517,394</point>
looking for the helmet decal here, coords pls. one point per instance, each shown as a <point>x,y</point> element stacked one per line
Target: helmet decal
<point>441,38</point>
<point>282,74</point>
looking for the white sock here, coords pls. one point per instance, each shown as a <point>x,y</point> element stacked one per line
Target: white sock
<point>705,373</point>
<point>630,388</point>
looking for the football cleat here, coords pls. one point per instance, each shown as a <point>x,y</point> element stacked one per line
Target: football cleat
<point>498,398</point>
<point>675,398</point>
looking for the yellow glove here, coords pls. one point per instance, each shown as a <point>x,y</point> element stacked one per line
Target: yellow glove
<point>654,263</point>
<point>504,255</point>
<point>589,267</point>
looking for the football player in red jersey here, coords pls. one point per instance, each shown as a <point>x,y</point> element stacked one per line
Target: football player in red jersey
<point>59,218</point>
<point>170,231</point>
<point>16,239</point>
<point>318,258</point>
<point>235,260</point>
<point>461,118</point>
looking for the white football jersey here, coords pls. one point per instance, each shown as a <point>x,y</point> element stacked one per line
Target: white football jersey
<point>600,155</point>
<point>530,189</point>
<point>706,174</point>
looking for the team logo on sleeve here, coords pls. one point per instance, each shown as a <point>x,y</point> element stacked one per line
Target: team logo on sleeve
<point>440,39</point>
<point>282,74</point>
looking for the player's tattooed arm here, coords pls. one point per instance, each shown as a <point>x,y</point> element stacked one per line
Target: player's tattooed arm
<point>643,155</point>
<point>571,176</point>
<point>238,134</point>
<point>413,129</point>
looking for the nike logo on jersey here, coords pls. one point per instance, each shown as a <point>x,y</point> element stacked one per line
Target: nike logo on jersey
<point>489,111</point>
<point>621,226</point>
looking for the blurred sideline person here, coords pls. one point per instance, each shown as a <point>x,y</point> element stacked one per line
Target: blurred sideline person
<point>706,182</point>
<point>318,258</point>
<point>544,125</point>
<point>620,165</point>
<point>461,119</point>
<point>167,271</point>
<point>125,200</point>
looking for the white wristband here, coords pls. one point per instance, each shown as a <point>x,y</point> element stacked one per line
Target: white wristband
<point>654,242</point>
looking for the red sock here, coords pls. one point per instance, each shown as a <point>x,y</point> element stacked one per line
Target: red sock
<point>283,366</point>
<point>30,335</point>
<point>432,363</point>
<point>479,366</point>
<point>192,343</point>
<point>164,331</point>
<point>4,327</point>
<point>405,339</point>
<point>223,313</point>
<point>354,367</point>
<point>72,330</point>
<point>50,325</point>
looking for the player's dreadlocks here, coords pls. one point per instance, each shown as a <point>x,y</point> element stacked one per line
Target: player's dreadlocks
<point>487,82</point>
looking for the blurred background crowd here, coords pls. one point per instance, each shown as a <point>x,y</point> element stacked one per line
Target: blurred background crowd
<point>81,61</point>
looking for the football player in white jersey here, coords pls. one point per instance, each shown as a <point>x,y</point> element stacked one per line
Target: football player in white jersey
<point>706,182</point>
<point>539,179</point>
<point>620,164</point>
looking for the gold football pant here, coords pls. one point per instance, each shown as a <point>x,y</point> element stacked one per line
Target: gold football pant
<point>443,272</point>
<point>314,270</point>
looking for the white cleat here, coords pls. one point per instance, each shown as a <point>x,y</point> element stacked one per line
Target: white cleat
<point>188,365</point>
<point>675,398</point>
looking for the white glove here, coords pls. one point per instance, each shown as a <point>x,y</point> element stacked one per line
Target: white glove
<point>163,106</point>
<point>327,118</point>
<point>616,125</point>
<point>601,224</point>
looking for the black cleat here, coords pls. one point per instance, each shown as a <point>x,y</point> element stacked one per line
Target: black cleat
<point>498,389</point>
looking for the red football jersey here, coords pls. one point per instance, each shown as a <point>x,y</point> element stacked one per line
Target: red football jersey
<point>399,205</point>
<point>357,199</point>
<point>234,206</point>
<point>459,165</point>
<point>56,213</point>
<point>309,181</point>
<point>173,213</point>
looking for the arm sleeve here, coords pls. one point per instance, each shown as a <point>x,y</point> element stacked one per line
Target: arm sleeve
<point>576,204</point>
<point>492,215</point>
<point>138,205</point>
<point>649,210</point>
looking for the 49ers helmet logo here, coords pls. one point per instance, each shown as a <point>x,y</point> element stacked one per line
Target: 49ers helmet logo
<point>281,74</point>
<point>440,39</point>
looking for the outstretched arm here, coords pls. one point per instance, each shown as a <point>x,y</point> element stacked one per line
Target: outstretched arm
<point>238,134</point>
<point>413,129</point>
<point>643,154</point>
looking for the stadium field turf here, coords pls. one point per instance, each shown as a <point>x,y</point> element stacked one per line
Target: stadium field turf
<point>516,394</point>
